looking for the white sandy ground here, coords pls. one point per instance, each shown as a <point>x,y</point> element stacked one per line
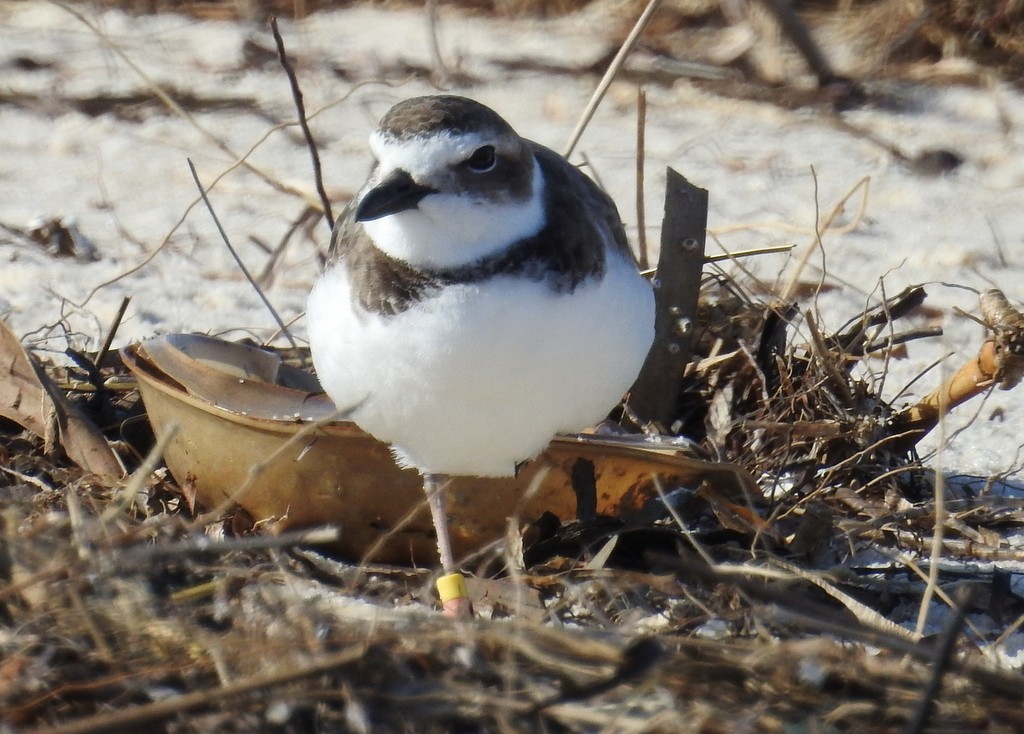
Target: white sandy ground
<point>127,185</point>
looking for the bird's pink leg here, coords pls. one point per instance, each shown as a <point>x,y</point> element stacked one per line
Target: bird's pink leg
<point>451,586</point>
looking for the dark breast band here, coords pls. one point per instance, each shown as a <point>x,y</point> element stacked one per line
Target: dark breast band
<point>567,251</point>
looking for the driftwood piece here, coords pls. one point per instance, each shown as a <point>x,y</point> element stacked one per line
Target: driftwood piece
<point>1000,361</point>
<point>676,288</point>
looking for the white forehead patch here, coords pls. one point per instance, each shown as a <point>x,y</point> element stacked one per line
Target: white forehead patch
<point>423,157</point>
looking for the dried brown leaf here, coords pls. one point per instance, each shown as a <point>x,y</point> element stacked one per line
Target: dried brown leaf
<point>28,397</point>
<point>22,397</point>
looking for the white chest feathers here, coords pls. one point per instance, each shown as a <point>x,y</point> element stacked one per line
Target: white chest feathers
<point>482,375</point>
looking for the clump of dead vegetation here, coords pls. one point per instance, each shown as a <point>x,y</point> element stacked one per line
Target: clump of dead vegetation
<point>874,37</point>
<point>118,610</point>
<point>845,590</point>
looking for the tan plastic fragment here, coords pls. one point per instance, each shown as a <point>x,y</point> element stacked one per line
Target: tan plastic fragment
<point>232,417</point>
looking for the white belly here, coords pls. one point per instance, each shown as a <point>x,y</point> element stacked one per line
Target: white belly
<point>482,376</point>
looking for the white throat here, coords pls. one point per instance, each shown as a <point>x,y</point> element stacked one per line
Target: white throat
<point>453,229</point>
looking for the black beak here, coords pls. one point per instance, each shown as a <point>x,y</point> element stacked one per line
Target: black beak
<point>396,193</point>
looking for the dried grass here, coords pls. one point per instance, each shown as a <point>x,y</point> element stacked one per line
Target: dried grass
<point>118,612</point>
<point>884,37</point>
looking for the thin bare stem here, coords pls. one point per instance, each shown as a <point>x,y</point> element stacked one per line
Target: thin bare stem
<point>135,481</point>
<point>238,260</point>
<point>770,250</point>
<point>300,108</point>
<point>613,69</point>
<point>941,662</point>
<point>641,223</point>
<point>114,326</point>
<point>825,225</point>
<point>939,523</point>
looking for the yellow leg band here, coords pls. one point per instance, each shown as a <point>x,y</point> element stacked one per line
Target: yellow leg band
<point>452,587</point>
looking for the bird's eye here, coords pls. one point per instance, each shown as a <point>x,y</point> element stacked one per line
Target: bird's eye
<point>482,160</point>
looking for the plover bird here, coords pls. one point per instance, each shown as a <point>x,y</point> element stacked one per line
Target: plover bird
<point>479,297</point>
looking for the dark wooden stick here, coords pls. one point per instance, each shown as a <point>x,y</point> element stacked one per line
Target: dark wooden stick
<point>676,288</point>
<point>300,108</point>
<point>941,662</point>
<point>112,331</point>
